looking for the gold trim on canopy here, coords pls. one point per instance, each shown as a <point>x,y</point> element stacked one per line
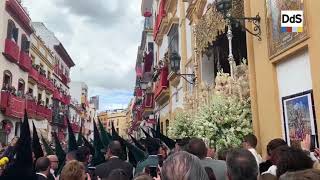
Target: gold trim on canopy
<point>213,22</point>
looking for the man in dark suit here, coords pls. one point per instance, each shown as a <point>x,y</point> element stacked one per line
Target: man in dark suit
<point>113,162</point>
<point>42,168</point>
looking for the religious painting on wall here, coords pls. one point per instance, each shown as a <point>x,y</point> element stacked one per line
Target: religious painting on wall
<point>279,40</point>
<point>299,117</point>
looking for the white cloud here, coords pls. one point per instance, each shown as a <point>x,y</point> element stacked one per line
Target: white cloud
<point>101,36</point>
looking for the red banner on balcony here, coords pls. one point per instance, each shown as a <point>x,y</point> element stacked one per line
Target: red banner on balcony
<point>11,50</point>
<point>163,82</point>
<point>138,92</point>
<point>34,74</point>
<point>25,62</point>
<point>161,14</point>
<point>148,60</point>
<point>12,106</point>
<point>31,108</point>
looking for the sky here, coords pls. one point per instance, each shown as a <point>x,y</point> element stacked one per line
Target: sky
<point>102,37</point>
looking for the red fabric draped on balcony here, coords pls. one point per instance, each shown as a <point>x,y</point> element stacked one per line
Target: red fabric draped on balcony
<point>11,105</point>
<point>57,94</point>
<point>11,50</point>
<point>34,74</point>
<point>32,108</point>
<point>25,62</point>
<point>163,82</point>
<point>66,99</point>
<point>148,60</point>
<point>161,14</point>
<point>43,81</point>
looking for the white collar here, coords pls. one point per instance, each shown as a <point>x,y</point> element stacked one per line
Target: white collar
<point>41,174</point>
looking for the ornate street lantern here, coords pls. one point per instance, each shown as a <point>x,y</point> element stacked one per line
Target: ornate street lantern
<point>175,60</point>
<point>223,6</point>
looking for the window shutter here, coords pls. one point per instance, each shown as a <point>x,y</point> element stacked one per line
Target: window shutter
<point>9,31</point>
<point>27,46</point>
<point>15,33</point>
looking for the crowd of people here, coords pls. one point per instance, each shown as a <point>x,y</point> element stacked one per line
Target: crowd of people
<point>187,159</point>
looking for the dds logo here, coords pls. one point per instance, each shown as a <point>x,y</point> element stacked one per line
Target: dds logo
<point>291,21</point>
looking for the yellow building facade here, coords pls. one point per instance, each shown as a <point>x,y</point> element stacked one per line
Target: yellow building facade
<point>119,119</point>
<point>274,75</point>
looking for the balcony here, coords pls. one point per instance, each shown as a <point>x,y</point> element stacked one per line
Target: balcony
<point>11,51</point>
<point>11,105</point>
<point>50,86</point>
<point>43,113</point>
<point>43,81</point>
<point>161,91</point>
<point>25,62</point>
<point>160,16</point>
<point>66,99</point>
<point>65,79</point>
<point>148,102</point>
<point>32,108</point>
<point>57,95</point>
<point>34,74</point>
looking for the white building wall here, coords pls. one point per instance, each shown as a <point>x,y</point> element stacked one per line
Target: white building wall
<point>294,76</point>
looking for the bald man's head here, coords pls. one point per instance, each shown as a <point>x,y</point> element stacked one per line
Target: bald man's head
<point>54,161</point>
<point>115,149</point>
<point>43,165</point>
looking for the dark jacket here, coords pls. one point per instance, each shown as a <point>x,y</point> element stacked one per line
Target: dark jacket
<point>103,170</point>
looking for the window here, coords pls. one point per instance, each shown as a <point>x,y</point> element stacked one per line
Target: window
<point>30,91</point>
<point>47,102</point>
<point>173,39</point>
<point>39,98</point>
<point>7,80</point>
<point>117,122</point>
<point>117,130</point>
<point>21,87</point>
<point>25,44</point>
<point>150,47</point>
<point>12,31</point>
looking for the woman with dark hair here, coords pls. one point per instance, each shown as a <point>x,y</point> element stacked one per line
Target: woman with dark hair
<point>288,159</point>
<point>272,145</point>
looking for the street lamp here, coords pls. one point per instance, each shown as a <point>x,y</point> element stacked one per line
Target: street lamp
<point>224,6</point>
<point>175,60</point>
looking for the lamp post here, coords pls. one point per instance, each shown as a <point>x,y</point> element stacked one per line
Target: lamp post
<point>175,60</point>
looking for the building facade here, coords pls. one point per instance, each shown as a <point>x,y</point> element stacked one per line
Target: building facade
<point>284,66</point>
<point>15,34</point>
<point>87,109</point>
<point>62,64</point>
<point>119,119</point>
